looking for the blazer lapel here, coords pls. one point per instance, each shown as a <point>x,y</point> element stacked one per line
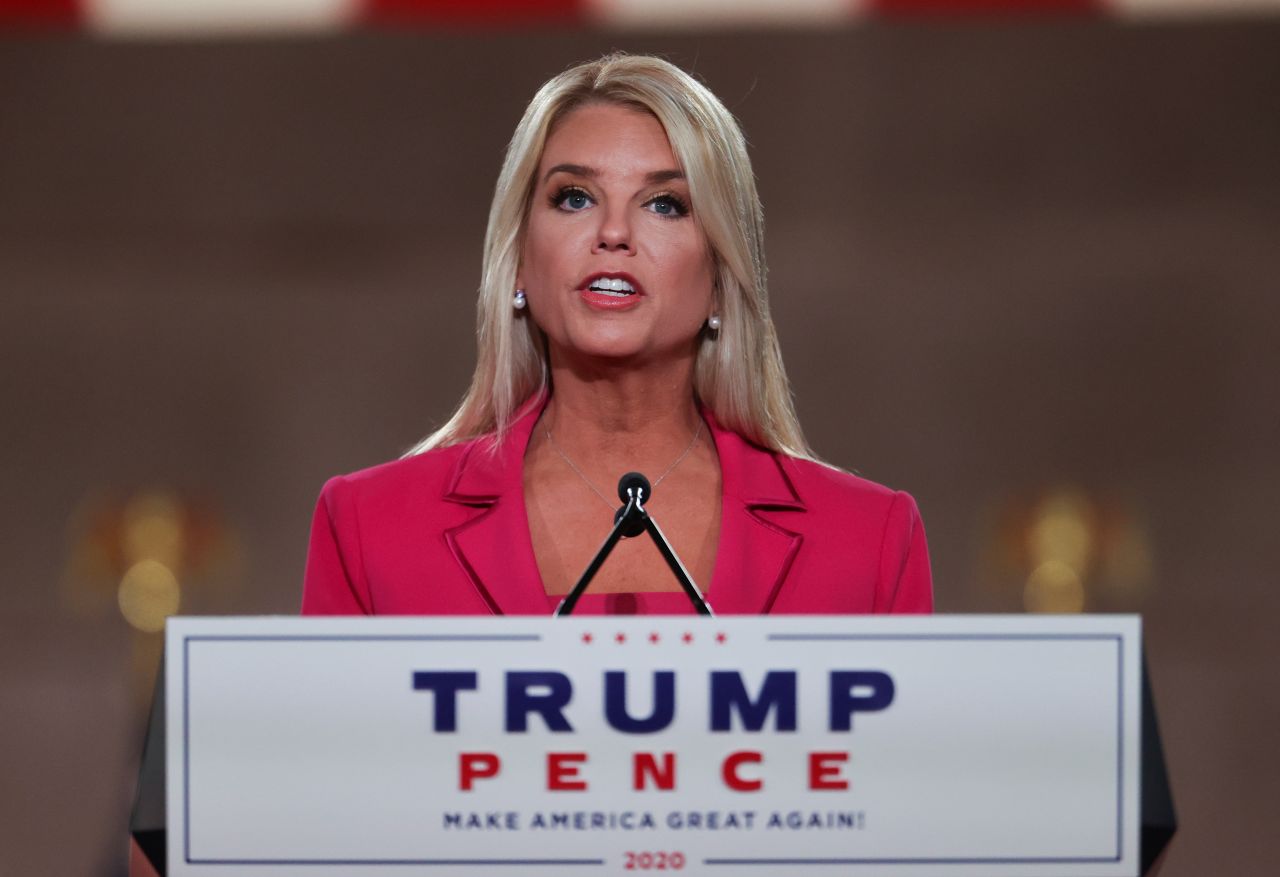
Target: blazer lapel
<point>493,548</point>
<point>494,551</point>
<point>756,550</point>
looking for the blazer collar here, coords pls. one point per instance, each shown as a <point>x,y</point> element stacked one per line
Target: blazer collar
<point>756,551</point>
<point>495,550</point>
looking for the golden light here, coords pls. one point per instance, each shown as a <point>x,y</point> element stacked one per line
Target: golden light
<point>1053,587</point>
<point>1068,547</point>
<point>112,533</point>
<point>1062,531</point>
<point>148,594</point>
<point>153,528</point>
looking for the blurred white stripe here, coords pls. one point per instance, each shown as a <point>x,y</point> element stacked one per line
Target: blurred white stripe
<point>699,13</point>
<point>1192,8</point>
<point>178,17</point>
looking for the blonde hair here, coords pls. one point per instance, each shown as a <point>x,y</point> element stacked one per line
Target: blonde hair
<point>738,373</point>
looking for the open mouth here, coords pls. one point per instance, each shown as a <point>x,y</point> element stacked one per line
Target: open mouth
<point>612,286</point>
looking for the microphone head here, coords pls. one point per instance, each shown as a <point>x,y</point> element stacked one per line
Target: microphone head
<point>634,481</point>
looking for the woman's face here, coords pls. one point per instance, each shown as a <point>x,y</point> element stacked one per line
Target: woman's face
<point>614,263</point>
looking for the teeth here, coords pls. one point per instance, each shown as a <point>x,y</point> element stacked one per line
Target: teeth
<point>612,284</point>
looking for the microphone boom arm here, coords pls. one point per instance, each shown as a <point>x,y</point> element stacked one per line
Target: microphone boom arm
<point>677,568</point>
<point>629,520</point>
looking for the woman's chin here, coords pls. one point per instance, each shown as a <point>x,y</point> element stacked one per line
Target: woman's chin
<point>604,342</point>
<point>618,344</point>
<point>618,357</point>
<point>611,355</point>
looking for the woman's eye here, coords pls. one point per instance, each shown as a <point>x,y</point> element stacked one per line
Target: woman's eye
<point>668,205</point>
<point>572,200</point>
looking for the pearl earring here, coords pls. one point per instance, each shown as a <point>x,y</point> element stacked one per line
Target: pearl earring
<point>520,300</point>
<point>713,322</point>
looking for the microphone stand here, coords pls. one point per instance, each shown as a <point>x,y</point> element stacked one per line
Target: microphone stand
<point>632,520</point>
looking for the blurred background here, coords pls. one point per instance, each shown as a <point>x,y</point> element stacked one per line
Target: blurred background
<point>1024,260</point>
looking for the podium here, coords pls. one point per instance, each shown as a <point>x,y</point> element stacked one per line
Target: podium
<point>762,745</point>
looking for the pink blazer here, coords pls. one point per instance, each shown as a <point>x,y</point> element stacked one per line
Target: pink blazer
<point>446,533</point>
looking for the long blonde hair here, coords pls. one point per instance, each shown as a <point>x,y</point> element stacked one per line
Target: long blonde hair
<point>738,373</point>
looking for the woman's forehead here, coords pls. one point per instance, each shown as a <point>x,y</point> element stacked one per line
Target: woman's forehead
<point>599,138</point>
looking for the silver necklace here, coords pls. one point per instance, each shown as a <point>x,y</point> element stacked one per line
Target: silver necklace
<point>604,499</point>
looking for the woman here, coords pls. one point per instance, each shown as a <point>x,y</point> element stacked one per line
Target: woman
<point>623,326</point>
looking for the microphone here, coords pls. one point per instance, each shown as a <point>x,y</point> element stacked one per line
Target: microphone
<point>633,484</point>
<point>637,482</point>
<point>631,520</point>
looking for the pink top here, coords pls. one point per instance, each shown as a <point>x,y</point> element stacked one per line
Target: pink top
<point>446,533</point>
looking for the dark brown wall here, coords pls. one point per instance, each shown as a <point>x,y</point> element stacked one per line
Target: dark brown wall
<point>1003,259</point>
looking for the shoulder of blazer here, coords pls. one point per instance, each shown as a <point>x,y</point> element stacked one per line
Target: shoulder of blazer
<point>428,474</point>
<point>822,485</point>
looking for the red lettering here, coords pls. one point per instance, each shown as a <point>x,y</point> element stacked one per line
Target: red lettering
<point>825,770</point>
<point>476,766</point>
<point>730,771</point>
<point>644,764</point>
<point>562,771</point>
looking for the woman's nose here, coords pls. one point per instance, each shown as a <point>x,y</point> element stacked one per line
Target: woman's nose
<point>614,234</point>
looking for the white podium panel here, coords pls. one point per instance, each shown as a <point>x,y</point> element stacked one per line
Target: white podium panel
<point>962,745</point>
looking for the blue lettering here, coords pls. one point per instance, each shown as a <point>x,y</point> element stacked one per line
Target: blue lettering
<point>878,688</point>
<point>445,685</point>
<point>615,703</point>
<point>728,693</point>
<point>522,699</point>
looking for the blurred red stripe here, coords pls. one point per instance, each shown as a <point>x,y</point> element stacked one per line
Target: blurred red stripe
<point>57,12</point>
<point>497,12</point>
<point>965,7</point>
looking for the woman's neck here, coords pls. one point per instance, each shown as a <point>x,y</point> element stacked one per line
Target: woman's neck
<point>597,426</point>
<point>610,420</point>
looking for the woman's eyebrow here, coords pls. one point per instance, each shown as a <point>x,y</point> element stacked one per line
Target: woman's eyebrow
<point>654,177</point>
<point>578,170</point>
<point>582,170</point>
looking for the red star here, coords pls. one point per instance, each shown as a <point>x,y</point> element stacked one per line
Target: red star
<point>653,637</point>
<point>621,637</point>
<point>586,637</point>
<point>688,637</point>
<point>720,637</point>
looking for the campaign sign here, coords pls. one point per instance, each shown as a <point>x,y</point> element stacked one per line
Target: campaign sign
<point>748,745</point>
